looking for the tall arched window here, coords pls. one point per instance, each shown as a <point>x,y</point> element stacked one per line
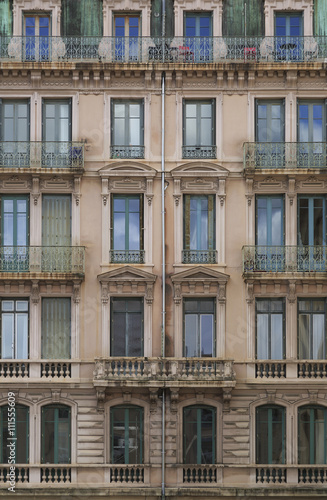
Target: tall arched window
<point>14,428</point>
<point>126,434</point>
<point>56,434</point>
<point>312,434</point>
<point>199,435</point>
<point>270,435</point>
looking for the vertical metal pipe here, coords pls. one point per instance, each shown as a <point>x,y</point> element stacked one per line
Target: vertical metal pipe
<point>163,239</point>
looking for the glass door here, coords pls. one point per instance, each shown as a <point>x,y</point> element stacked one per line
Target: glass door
<point>36,40</point>
<point>127,41</point>
<point>270,136</point>
<point>270,250</point>
<point>57,149</point>
<point>289,36</point>
<point>312,134</point>
<point>312,233</point>
<point>197,37</point>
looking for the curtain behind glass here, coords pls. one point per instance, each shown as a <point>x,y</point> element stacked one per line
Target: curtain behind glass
<point>5,17</point>
<point>81,18</point>
<point>56,328</point>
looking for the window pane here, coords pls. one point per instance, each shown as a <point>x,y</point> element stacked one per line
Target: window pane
<point>304,336</point>
<point>191,335</point>
<point>277,336</point>
<point>127,327</point>
<point>318,336</point>
<point>126,435</point>
<point>22,336</point>
<point>7,334</point>
<point>207,335</point>
<point>262,336</point>
<point>190,435</point>
<point>56,322</point>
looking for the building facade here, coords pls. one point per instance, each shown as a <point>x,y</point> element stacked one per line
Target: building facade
<point>163,290</point>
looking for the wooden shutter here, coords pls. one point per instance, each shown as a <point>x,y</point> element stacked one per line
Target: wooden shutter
<point>56,220</point>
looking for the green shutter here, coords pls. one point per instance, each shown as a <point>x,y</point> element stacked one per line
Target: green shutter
<point>81,18</point>
<point>320,18</point>
<point>233,18</point>
<point>56,220</point>
<point>6,17</point>
<point>56,328</point>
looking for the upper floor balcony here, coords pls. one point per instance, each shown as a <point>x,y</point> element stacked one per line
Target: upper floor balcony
<point>284,259</point>
<point>42,260</point>
<point>43,155</point>
<point>184,49</point>
<point>284,155</point>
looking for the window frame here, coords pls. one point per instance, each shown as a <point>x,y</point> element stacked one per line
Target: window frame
<point>127,337</point>
<point>312,437</point>
<point>57,127</point>
<point>45,329</point>
<point>199,150</point>
<point>270,314</point>
<point>56,407</point>
<point>126,408</point>
<point>211,214</point>
<point>269,103</point>
<point>311,313</point>
<point>199,314</point>
<point>15,333</point>
<point>136,150</point>
<point>6,418</point>
<point>270,431</point>
<point>198,409</point>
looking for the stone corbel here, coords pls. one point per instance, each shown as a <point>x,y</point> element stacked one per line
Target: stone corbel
<point>313,396</point>
<point>35,190</point>
<point>222,293</point>
<point>35,292</point>
<point>227,396</point>
<point>149,191</point>
<point>76,292</point>
<point>55,395</point>
<point>174,396</point>
<point>101,397</point>
<point>177,293</point>
<point>291,297</point>
<point>105,191</point>
<point>104,293</point>
<point>153,400</point>
<point>271,395</point>
<point>249,295</point>
<point>149,293</point>
<point>177,198</point>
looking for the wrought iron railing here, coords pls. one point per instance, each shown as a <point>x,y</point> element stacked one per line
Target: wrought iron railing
<point>183,50</point>
<point>127,256</point>
<point>204,152</point>
<point>42,259</point>
<point>126,152</point>
<point>199,256</point>
<point>285,155</point>
<point>284,259</point>
<point>45,155</point>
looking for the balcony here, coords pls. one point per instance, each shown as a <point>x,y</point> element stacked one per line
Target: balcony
<point>159,372</point>
<point>196,152</point>
<point>286,371</point>
<point>183,50</point>
<point>284,259</point>
<point>127,256</point>
<point>199,256</point>
<point>284,155</point>
<point>38,259</point>
<point>126,152</point>
<point>42,155</point>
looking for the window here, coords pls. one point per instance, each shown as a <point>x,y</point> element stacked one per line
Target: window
<point>127,229</point>
<point>36,39</point>
<point>18,430</point>
<point>14,329</point>
<point>15,133</point>
<point>270,328</point>
<point>126,435</point>
<point>127,129</point>
<point>288,33</point>
<point>270,435</point>
<point>199,229</point>
<point>312,328</point>
<point>199,435</point>
<point>312,133</point>
<point>199,139</point>
<point>270,250</point>
<point>311,233</point>
<point>198,37</point>
<point>57,150</point>
<point>55,327</point>
<point>269,132</point>
<point>127,42</point>
<point>14,233</point>
<point>126,327</point>
<point>312,435</point>
<point>199,328</point>
<point>56,233</point>
<point>56,434</point>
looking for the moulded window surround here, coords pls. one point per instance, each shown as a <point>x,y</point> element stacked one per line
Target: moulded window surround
<point>270,434</point>
<point>277,6</point>
<point>36,7</point>
<point>312,436</point>
<point>215,8</point>
<point>19,431</point>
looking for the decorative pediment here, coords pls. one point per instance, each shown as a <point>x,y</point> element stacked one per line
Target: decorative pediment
<point>199,281</point>
<point>127,280</point>
<point>127,169</point>
<point>199,169</point>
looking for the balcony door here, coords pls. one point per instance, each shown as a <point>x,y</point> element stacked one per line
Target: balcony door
<point>14,233</point>
<point>57,133</point>
<point>36,37</point>
<point>15,133</point>
<point>270,135</point>
<point>312,233</point>
<point>197,37</point>
<point>56,233</point>
<point>270,254</point>
<point>126,32</point>
<point>289,33</point>
<point>312,134</point>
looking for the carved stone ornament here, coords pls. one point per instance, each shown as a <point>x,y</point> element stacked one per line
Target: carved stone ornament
<point>291,292</point>
<point>35,292</point>
<point>104,293</point>
<point>101,397</point>
<point>177,198</point>
<point>55,395</point>
<point>227,396</point>
<point>249,296</point>
<point>174,395</point>
<point>271,395</point>
<point>177,294</point>
<point>77,292</point>
<point>153,400</point>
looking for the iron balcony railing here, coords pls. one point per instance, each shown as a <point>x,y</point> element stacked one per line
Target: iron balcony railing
<point>42,259</point>
<point>126,152</point>
<point>284,259</point>
<point>206,152</point>
<point>127,256</point>
<point>285,155</point>
<point>199,256</point>
<point>26,154</point>
<point>184,50</point>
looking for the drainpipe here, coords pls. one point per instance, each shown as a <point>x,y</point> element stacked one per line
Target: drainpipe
<point>163,325</point>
